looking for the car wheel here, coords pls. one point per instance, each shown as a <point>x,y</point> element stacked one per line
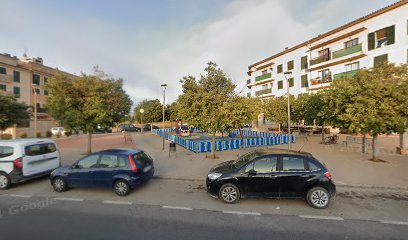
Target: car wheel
<point>59,184</point>
<point>229,193</point>
<point>4,181</point>
<point>318,197</point>
<point>121,187</point>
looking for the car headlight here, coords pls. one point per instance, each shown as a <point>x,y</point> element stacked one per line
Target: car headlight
<point>213,176</point>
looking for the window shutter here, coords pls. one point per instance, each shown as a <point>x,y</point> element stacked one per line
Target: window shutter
<point>380,60</point>
<point>280,84</point>
<point>304,81</point>
<point>371,41</point>
<point>303,62</point>
<point>390,33</point>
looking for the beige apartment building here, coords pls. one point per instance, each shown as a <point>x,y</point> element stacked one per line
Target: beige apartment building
<point>26,78</point>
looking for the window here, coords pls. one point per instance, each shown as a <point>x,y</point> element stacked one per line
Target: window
<point>382,37</point>
<point>16,91</point>
<point>293,164</point>
<point>380,60</point>
<point>280,84</point>
<point>313,166</point>
<point>6,151</point>
<point>36,79</point>
<point>16,76</point>
<point>40,149</point>
<point>323,52</point>
<point>264,165</point>
<point>325,74</point>
<point>290,65</point>
<point>88,162</point>
<point>264,72</point>
<point>3,87</point>
<point>142,158</point>
<point>280,68</point>
<point>45,80</point>
<point>303,63</point>
<point>38,106</point>
<point>352,66</point>
<point>45,92</point>
<point>265,86</point>
<point>351,43</point>
<point>304,81</point>
<point>3,70</point>
<point>291,82</point>
<point>108,161</point>
<point>36,90</point>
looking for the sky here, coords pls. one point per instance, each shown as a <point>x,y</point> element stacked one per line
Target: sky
<point>151,42</point>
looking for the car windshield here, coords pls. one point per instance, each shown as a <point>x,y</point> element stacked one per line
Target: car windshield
<point>244,159</point>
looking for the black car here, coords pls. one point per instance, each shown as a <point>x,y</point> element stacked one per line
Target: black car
<point>101,129</point>
<point>128,128</point>
<point>148,127</point>
<point>272,173</point>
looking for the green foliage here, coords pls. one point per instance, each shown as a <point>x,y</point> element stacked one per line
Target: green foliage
<point>38,134</point>
<point>276,109</point>
<point>6,136</point>
<point>308,107</point>
<point>153,111</point>
<point>48,133</point>
<point>68,132</point>
<point>23,135</point>
<point>12,112</point>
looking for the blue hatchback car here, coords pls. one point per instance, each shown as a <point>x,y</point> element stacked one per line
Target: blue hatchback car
<point>120,169</point>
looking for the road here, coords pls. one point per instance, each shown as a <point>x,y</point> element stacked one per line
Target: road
<point>48,218</point>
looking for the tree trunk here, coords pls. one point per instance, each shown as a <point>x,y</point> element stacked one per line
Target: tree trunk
<point>89,144</point>
<point>323,133</point>
<point>240,133</point>
<point>364,146</point>
<point>375,149</point>
<point>279,127</point>
<point>213,146</point>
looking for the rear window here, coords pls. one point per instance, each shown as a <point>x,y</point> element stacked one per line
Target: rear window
<point>313,166</point>
<point>6,151</point>
<point>40,149</point>
<point>141,158</point>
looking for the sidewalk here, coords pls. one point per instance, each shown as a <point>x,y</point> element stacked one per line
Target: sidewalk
<point>348,166</point>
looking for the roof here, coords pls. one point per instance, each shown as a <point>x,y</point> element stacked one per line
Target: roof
<point>121,151</point>
<point>282,151</point>
<point>26,140</point>
<point>343,27</point>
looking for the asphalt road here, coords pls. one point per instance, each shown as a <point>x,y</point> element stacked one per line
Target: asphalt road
<point>48,218</point>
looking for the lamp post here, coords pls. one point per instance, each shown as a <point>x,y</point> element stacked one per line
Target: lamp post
<point>164,102</point>
<point>288,76</point>
<point>34,86</point>
<point>141,119</point>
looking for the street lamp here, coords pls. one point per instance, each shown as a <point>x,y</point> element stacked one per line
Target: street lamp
<point>141,118</point>
<point>288,76</point>
<point>164,102</point>
<point>35,87</point>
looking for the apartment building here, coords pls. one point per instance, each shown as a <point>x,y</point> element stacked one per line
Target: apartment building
<point>26,78</point>
<point>381,36</point>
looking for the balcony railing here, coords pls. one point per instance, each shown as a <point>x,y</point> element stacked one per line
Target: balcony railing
<point>320,80</point>
<point>347,51</point>
<point>320,59</point>
<point>6,78</point>
<point>263,77</point>
<point>348,74</point>
<point>264,91</point>
<point>248,81</point>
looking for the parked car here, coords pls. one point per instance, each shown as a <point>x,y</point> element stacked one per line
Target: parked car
<point>58,130</point>
<point>148,127</point>
<point>128,128</point>
<point>25,159</point>
<point>120,169</point>
<point>273,173</point>
<point>101,129</point>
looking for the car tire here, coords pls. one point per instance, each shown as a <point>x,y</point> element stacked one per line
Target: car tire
<point>229,193</point>
<point>121,187</point>
<point>59,184</point>
<point>5,181</point>
<point>318,197</point>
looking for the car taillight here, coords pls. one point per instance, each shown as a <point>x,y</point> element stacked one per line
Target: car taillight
<point>328,175</point>
<point>18,163</point>
<point>132,164</point>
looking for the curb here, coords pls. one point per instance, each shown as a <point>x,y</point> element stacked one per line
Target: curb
<point>340,185</point>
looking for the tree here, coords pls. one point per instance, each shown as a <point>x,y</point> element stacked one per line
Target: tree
<point>202,100</point>
<point>276,109</point>
<point>369,103</point>
<point>153,111</point>
<point>87,101</point>
<point>12,112</point>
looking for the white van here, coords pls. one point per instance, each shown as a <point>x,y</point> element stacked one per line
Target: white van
<point>25,159</point>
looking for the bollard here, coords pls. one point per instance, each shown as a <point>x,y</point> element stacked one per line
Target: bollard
<point>172,148</point>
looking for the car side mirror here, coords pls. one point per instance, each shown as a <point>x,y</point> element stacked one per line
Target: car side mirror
<point>251,172</point>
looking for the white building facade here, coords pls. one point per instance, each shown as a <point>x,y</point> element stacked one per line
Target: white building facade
<point>381,36</point>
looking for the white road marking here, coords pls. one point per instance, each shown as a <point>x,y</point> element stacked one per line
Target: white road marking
<point>242,213</point>
<point>178,208</point>
<point>117,202</point>
<point>322,217</point>
<point>70,199</point>
<point>18,195</point>
<point>394,222</point>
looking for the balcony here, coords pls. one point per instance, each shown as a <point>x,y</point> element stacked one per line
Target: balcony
<point>320,80</point>
<point>347,51</point>
<point>264,91</point>
<point>320,59</point>
<point>348,74</point>
<point>263,77</point>
<point>6,78</point>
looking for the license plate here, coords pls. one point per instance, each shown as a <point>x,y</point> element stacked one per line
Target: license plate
<point>146,169</point>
